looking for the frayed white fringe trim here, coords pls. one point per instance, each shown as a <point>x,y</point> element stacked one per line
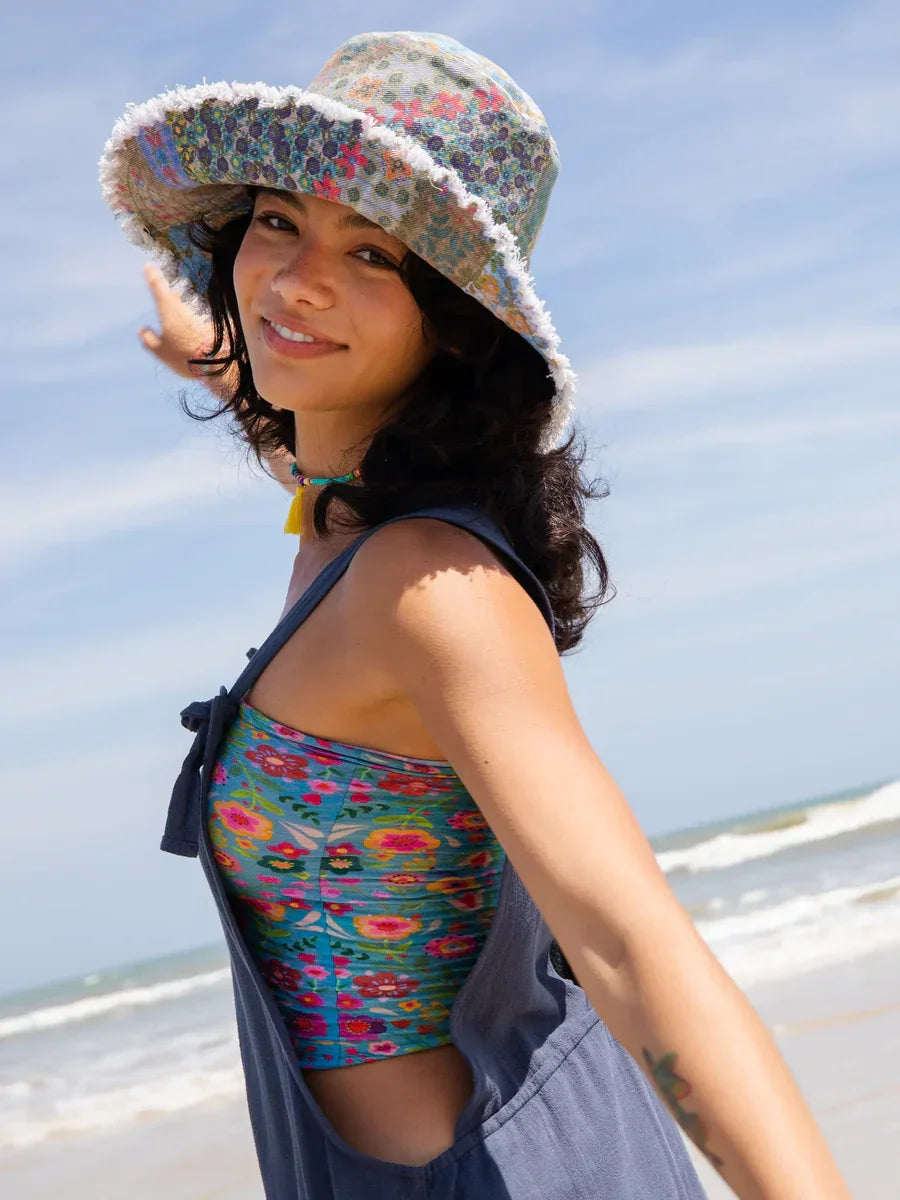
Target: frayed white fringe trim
<point>137,116</point>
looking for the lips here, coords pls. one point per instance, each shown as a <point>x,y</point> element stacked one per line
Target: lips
<point>296,326</point>
<point>288,347</point>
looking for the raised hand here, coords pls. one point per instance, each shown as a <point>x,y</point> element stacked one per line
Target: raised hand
<point>183,334</point>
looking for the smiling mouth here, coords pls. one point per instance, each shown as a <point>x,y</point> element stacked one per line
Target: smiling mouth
<point>293,335</point>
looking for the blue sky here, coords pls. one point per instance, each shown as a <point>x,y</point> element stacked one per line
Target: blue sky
<point>721,260</point>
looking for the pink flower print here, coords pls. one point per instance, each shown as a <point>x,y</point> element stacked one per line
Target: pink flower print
<point>401,841</point>
<point>280,975</point>
<point>227,861</point>
<point>286,731</point>
<point>446,106</point>
<point>220,775</point>
<point>383,1047</point>
<point>342,848</point>
<point>313,999</point>
<point>341,959</point>
<point>400,784</point>
<point>360,791</point>
<point>402,879</point>
<point>387,927</point>
<point>275,912</point>
<point>315,972</point>
<point>359,1028</point>
<point>481,858</point>
<point>351,158</point>
<point>309,958</point>
<point>468,821</point>
<point>295,890</point>
<point>326,187</point>
<point>277,763</point>
<point>407,114</point>
<point>331,891</point>
<point>311,1025</point>
<point>341,972</point>
<point>328,787</point>
<point>384,983</point>
<point>338,910</point>
<point>287,850</point>
<point>491,99</point>
<point>376,116</point>
<point>449,947</point>
<point>240,819</point>
<point>349,1001</point>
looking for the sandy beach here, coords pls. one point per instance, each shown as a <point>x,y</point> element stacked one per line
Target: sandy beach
<point>837,1027</point>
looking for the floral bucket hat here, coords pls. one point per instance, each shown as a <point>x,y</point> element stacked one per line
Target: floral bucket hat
<point>431,141</point>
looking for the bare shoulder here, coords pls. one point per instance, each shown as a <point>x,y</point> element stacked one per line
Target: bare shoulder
<point>434,578</point>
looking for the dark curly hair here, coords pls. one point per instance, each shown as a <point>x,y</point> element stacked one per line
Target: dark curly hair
<point>466,432</point>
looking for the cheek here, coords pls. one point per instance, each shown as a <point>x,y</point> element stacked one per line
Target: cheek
<point>398,328</point>
<point>242,277</point>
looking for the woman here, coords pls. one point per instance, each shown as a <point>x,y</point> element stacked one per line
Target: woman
<point>396,801</point>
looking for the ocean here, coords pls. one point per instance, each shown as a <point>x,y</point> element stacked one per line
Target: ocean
<point>775,894</point>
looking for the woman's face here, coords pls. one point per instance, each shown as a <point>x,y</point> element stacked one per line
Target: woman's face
<point>311,266</point>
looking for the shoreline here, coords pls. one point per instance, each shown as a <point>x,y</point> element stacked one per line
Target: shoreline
<point>837,1027</point>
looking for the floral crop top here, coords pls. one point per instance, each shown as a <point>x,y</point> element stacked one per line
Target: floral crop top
<point>364,884</point>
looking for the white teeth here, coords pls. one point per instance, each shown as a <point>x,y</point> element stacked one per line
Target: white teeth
<point>290,334</point>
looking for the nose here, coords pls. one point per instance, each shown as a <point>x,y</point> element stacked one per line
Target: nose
<point>307,274</point>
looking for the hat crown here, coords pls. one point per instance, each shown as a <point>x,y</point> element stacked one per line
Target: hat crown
<point>465,111</point>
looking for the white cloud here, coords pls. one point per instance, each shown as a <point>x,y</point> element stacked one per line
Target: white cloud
<point>780,434</point>
<point>660,375</point>
<point>713,124</point>
<point>111,672</point>
<point>849,522</point>
<point>108,496</point>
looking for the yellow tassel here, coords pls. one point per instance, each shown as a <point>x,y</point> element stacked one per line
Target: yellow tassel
<point>292,524</point>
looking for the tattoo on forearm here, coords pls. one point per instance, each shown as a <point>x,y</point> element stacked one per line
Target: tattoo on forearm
<point>674,1089</point>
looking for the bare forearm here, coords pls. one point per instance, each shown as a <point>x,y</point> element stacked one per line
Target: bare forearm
<point>714,1064</point>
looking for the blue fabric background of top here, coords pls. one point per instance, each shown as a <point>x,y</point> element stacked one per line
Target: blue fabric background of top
<point>559,1107</point>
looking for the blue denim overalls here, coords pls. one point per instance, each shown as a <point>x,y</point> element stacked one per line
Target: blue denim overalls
<point>559,1107</point>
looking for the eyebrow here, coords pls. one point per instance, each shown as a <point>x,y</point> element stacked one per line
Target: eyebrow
<point>351,220</point>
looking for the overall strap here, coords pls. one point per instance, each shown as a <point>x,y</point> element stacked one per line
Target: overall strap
<point>208,719</point>
<point>464,516</point>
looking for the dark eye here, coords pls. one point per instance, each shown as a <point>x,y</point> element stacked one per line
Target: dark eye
<point>265,218</point>
<point>385,261</point>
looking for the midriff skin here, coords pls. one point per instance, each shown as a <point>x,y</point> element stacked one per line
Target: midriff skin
<point>400,1109</point>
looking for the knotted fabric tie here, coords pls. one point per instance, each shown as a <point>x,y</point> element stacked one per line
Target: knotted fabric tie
<point>203,718</point>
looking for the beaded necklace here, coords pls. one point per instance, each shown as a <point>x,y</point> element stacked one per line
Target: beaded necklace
<point>292,524</point>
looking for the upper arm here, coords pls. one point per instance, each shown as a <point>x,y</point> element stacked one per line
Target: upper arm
<point>467,645</point>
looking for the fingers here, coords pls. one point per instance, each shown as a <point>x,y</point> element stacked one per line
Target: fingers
<point>159,287</point>
<point>150,340</point>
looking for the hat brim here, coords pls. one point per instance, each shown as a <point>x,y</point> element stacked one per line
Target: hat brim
<point>191,152</point>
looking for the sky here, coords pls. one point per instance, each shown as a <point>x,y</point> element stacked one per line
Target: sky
<point>720,259</point>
